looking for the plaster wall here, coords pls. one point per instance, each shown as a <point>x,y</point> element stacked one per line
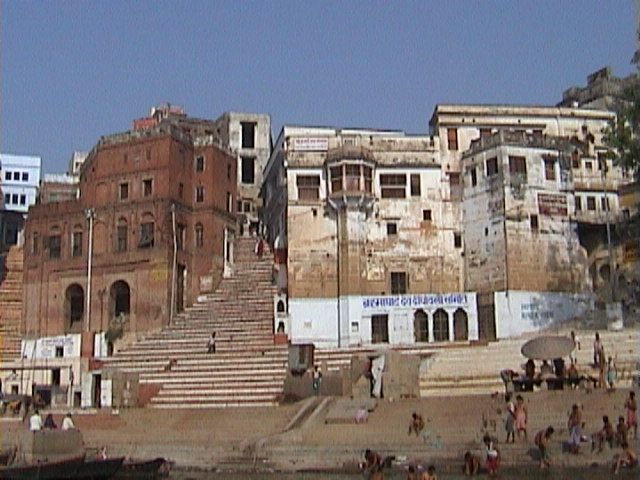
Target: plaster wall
<point>519,312</point>
<point>316,320</point>
<point>518,228</point>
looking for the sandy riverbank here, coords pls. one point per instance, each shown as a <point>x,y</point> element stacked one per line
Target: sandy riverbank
<point>248,438</point>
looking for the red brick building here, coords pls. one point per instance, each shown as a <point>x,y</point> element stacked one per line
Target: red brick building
<point>153,224</point>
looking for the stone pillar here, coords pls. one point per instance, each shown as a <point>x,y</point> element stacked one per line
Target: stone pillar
<point>430,324</point>
<point>450,319</point>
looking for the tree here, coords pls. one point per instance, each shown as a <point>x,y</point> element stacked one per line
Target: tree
<point>622,136</point>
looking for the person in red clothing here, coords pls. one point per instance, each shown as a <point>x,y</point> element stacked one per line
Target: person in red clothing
<point>493,456</point>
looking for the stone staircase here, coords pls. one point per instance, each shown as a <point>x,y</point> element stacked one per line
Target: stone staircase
<point>247,368</point>
<point>476,370</point>
<point>461,368</point>
<point>10,303</point>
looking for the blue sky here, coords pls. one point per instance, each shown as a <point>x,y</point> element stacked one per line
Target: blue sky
<point>72,71</point>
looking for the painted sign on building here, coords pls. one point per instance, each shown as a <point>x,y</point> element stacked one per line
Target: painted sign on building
<point>518,312</point>
<point>552,204</point>
<point>310,144</point>
<point>416,301</point>
<point>61,346</point>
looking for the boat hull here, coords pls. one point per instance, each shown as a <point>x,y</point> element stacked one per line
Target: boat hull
<point>62,469</point>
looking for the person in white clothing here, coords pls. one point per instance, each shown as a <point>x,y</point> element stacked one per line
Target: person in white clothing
<point>35,422</point>
<point>67,423</point>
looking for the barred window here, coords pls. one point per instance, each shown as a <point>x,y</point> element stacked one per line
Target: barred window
<point>393,185</point>
<point>146,235</point>
<point>308,187</point>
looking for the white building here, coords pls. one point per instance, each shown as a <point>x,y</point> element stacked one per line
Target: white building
<point>370,226</point>
<point>19,182</point>
<point>367,223</point>
<point>248,137</point>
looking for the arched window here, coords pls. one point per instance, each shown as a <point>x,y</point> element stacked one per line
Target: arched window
<point>120,297</point>
<point>74,305</point>
<point>100,237</point>
<point>199,235</point>
<point>54,242</point>
<point>440,326</point>
<point>420,326</point>
<point>460,325</point>
<point>122,235</point>
<point>605,272</point>
<point>76,241</point>
<point>147,233</point>
<point>280,306</point>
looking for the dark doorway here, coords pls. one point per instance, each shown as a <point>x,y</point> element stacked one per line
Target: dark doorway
<point>420,326</point>
<point>380,329</point>
<point>74,305</point>
<point>486,317</point>
<point>180,288</point>
<point>460,325</point>
<point>120,294</point>
<point>55,377</point>
<point>97,390</point>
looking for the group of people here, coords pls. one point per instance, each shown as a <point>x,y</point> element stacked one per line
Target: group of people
<point>516,423</point>
<point>607,370</point>
<point>556,370</point>
<point>374,465</point>
<point>516,420</point>
<point>36,423</point>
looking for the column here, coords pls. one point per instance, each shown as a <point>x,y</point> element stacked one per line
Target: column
<point>450,319</point>
<point>430,324</point>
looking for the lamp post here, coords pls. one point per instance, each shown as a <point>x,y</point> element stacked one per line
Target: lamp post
<point>90,214</point>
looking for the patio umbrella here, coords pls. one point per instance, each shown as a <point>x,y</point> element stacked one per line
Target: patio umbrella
<point>547,347</point>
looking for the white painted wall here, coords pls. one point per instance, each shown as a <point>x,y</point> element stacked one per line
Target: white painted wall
<point>519,312</point>
<point>19,177</point>
<point>315,320</point>
<point>45,347</point>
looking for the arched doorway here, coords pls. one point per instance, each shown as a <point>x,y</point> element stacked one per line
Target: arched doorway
<point>420,326</point>
<point>460,325</point>
<point>74,305</point>
<point>120,295</point>
<point>440,325</point>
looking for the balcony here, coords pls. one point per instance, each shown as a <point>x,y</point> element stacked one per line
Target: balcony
<point>350,176</point>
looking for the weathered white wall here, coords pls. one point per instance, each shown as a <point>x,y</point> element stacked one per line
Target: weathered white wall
<point>519,312</point>
<point>315,320</point>
<point>45,347</point>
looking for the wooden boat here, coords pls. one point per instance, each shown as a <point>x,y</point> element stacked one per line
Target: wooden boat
<point>98,469</point>
<point>7,455</point>
<point>61,469</point>
<point>144,469</point>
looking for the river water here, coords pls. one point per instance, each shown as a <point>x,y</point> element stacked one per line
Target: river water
<point>595,473</point>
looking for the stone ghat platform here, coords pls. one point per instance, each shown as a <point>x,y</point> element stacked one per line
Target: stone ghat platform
<point>467,370</point>
<point>280,439</point>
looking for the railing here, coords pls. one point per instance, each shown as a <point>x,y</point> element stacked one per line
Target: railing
<point>349,153</point>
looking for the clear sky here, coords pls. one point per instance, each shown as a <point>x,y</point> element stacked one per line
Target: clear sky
<point>75,70</point>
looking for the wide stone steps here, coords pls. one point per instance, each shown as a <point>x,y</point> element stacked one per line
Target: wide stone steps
<point>11,303</point>
<point>477,370</point>
<point>214,401</point>
<point>335,359</point>
<point>266,376</point>
<point>199,362</point>
<point>247,368</point>
<point>197,347</point>
<point>199,343</point>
